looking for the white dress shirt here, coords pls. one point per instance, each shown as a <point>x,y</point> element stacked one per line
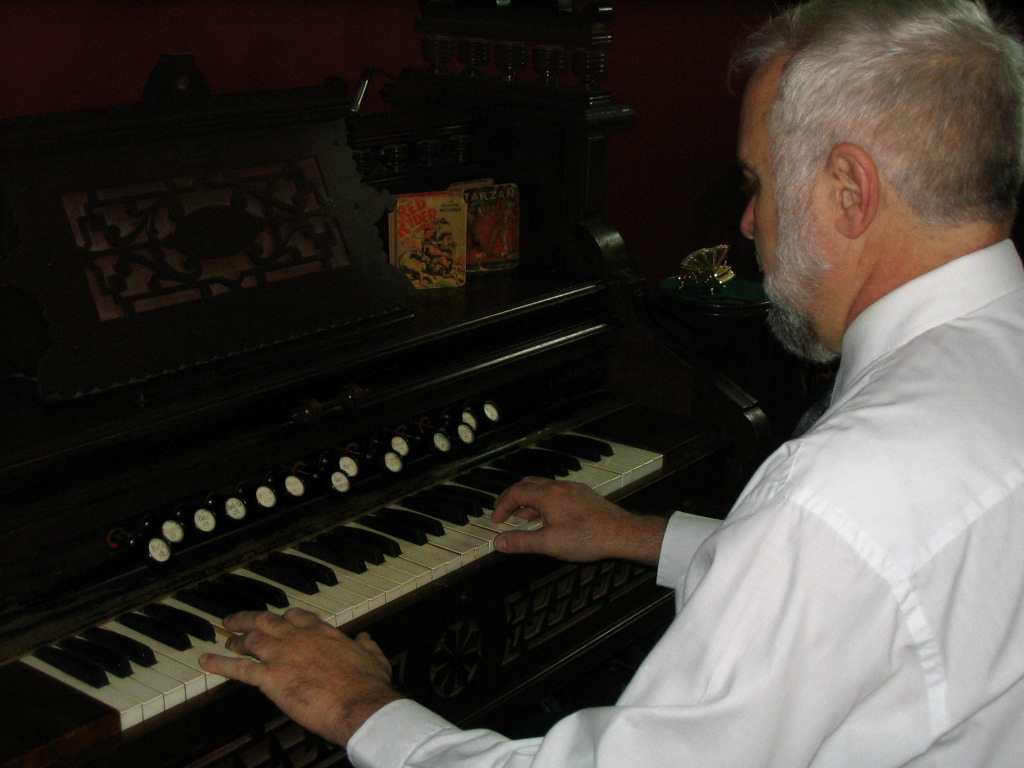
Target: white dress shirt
<point>863,603</point>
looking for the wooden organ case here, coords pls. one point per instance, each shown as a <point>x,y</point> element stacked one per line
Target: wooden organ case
<point>200,327</point>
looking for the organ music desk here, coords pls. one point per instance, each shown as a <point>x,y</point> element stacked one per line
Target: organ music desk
<point>219,395</point>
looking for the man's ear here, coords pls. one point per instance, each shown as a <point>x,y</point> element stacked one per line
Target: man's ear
<point>854,189</point>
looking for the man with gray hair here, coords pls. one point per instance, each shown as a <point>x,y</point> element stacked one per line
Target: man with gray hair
<point>863,602</point>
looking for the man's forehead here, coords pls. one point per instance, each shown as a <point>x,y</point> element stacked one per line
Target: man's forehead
<point>758,99</point>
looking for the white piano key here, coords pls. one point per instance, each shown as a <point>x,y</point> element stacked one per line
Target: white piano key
<point>457,540</point>
<point>488,526</point>
<point>193,680</point>
<point>173,691</point>
<point>439,561</point>
<point>485,530</point>
<point>189,657</point>
<point>360,604</point>
<point>485,534</point>
<point>469,548</point>
<point>375,580</point>
<point>601,480</point>
<point>485,518</point>
<point>330,609</point>
<point>420,574</point>
<point>129,708</point>
<point>406,581</point>
<point>631,462</point>
<point>349,582</point>
<point>513,521</point>
<point>407,578</point>
<point>152,701</point>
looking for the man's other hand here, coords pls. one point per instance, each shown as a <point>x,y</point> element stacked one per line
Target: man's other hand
<point>579,525</point>
<point>317,676</point>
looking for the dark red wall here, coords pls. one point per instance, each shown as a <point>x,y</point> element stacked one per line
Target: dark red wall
<point>668,61</point>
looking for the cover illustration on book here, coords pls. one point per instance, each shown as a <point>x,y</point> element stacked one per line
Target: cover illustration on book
<point>492,227</point>
<point>428,238</point>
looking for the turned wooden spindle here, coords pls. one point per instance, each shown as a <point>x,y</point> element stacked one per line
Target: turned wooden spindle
<point>548,63</point>
<point>437,51</point>
<point>458,147</point>
<point>429,151</point>
<point>395,156</point>
<point>589,65</point>
<point>473,53</point>
<point>510,58</point>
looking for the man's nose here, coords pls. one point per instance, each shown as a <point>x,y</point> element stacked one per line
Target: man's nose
<point>747,220</point>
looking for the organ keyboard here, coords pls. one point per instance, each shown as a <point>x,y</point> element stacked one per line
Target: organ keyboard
<point>146,662</point>
<point>220,396</point>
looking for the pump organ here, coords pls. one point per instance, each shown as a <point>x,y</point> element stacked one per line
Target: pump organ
<point>221,396</point>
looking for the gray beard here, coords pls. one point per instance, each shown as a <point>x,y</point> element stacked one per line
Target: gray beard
<point>794,281</point>
<point>794,329</point>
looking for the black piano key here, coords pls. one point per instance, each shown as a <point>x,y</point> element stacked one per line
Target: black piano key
<point>562,463</point>
<point>268,593</point>
<point>533,461</point>
<point>386,544</point>
<point>287,577</point>
<point>138,653</point>
<point>245,600</point>
<point>429,525</point>
<point>489,479</point>
<point>78,668</point>
<point>480,500</point>
<point>211,604</point>
<point>114,662</point>
<point>157,629</point>
<point>361,548</point>
<point>316,571</point>
<point>392,528</point>
<point>187,622</point>
<point>343,558</point>
<point>522,468</point>
<point>451,509</point>
<point>588,448</point>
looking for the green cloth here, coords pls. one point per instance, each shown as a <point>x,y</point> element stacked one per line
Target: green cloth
<point>747,291</point>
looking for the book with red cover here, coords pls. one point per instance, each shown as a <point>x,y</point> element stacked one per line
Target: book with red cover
<point>428,238</point>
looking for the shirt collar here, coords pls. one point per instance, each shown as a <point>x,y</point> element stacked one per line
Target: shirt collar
<point>936,297</point>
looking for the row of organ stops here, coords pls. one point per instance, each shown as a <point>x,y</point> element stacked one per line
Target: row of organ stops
<point>332,472</point>
<point>512,59</point>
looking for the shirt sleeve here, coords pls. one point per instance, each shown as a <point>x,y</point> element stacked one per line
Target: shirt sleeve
<point>683,537</point>
<point>754,671</point>
<point>404,733</point>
